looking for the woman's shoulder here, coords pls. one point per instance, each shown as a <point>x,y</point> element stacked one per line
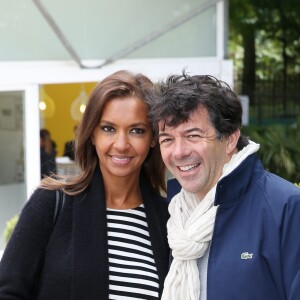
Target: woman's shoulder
<point>160,202</point>
<point>40,203</point>
<point>41,196</point>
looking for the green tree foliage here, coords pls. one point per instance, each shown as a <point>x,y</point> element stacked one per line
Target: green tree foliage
<point>10,226</point>
<point>242,27</point>
<point>279,151</point>
<point>267,32</point>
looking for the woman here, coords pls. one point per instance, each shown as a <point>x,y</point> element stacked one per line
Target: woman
<point>109,239</point>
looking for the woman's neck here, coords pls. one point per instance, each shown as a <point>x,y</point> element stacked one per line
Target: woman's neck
<point>122,192</point>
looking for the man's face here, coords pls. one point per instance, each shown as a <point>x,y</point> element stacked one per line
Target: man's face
<point>192,153</point>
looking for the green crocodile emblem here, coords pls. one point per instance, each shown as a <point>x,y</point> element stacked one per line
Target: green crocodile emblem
<point>246,255</point>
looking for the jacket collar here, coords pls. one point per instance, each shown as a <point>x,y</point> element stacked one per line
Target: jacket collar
<point>90,255</point>
<point>234,184</point>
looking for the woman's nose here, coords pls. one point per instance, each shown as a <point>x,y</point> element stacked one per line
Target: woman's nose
<point>121,141</point>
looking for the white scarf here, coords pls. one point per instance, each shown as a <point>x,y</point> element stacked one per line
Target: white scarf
<point>190,230</point>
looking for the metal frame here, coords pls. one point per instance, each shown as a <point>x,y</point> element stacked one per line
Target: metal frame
<point>147,39</point>
<point>31,133</point>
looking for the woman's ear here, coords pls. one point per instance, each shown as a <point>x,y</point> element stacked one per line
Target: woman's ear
<point>231,141</point>
<point>153,143</point>
<point>92,139</point>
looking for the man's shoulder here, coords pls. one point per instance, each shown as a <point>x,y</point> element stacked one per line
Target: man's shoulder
<point>173,188</point>
<point>276,186</point>
<point>278,193</point>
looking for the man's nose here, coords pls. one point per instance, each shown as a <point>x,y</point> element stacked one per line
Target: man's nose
<point>181,148</point>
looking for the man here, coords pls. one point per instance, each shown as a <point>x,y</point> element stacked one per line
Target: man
<point>234,227</point>
<point>47,154</point>
<point>69,150</point>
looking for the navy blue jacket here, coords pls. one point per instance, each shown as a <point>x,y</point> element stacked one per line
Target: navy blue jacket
<point>255,249</point>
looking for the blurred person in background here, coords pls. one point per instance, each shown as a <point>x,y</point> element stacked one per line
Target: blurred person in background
<point>69,150</point>
<point>47,153</point>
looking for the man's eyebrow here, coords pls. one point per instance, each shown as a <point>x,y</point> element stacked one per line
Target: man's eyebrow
<point>188,131</point>
<point>163,134</point>
<point>194,129</point>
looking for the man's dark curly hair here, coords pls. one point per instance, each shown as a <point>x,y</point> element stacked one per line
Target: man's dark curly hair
<point>175,99</point>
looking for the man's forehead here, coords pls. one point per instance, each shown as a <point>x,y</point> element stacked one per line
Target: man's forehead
<point>163,125</point>
<point>199,118</point>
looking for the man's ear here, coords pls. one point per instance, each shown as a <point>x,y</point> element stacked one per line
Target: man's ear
<point>231,141</point>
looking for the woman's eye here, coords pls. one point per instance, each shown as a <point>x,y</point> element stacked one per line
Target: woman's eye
<point>138,130</point>
<point>107,128</point>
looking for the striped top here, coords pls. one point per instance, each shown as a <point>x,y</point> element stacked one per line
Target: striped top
<point>132,270</point>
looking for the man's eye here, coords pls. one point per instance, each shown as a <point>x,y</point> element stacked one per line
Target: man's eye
<point>164,141</point>
<point>138,130</point>
<point>194,136</point>
<point>107,128</point>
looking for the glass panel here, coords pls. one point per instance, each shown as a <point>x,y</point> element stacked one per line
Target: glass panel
<point>195,38</point>
<point>12,159</point>
<point>99,29</point>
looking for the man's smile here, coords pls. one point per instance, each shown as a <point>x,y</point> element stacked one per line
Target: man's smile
<point>188,167</point>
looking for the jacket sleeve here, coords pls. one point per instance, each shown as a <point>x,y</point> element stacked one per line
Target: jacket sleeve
<point>290,244</point>
<point>22,260</point>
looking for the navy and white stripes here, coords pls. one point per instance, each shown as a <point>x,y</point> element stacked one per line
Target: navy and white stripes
<point>132,270</point>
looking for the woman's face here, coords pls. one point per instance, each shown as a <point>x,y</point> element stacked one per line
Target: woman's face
<point>123,137</point>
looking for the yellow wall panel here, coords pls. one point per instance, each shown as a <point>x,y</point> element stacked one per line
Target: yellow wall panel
<point>61,124</point>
